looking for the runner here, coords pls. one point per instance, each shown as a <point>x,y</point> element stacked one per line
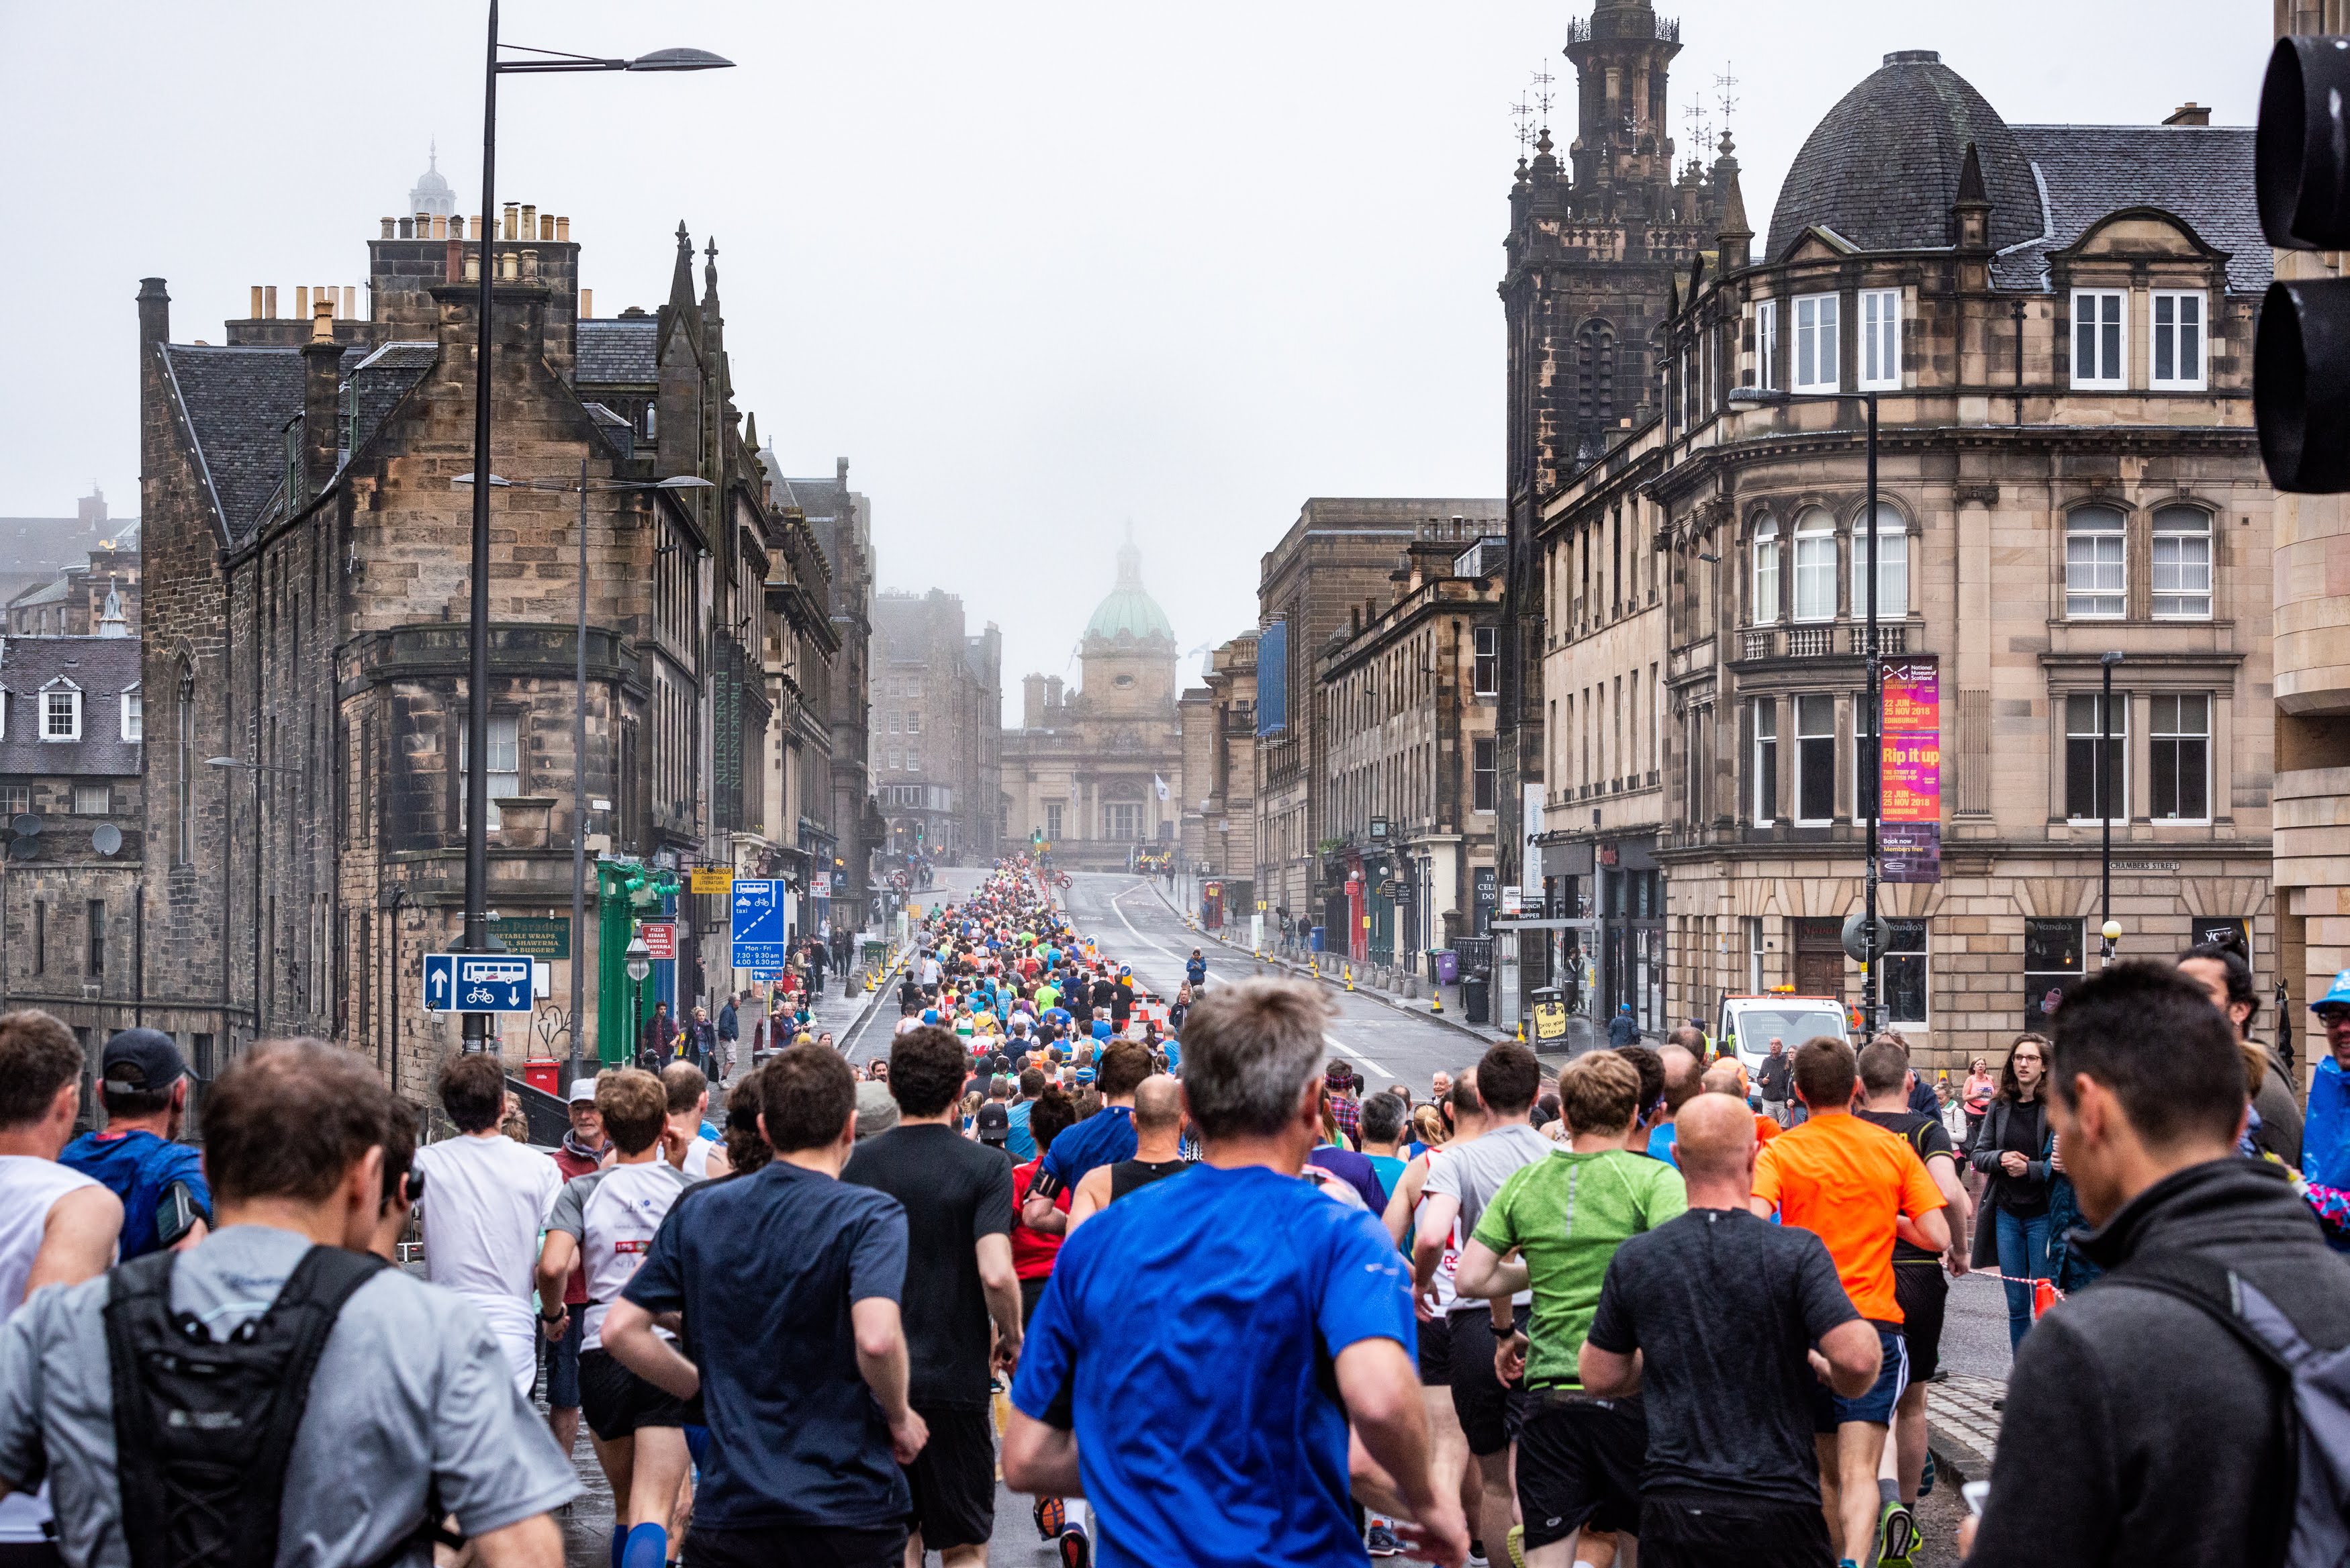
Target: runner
<point>485,1200</point>
<point>1102,1139</point>
<point>1712,1319</point>
<point>1460,1187</point>
<point>606,1221</point>
<point>1579,1455</point>
<point>138,1157</point>
<point>583,1149</point>
<point>1856,1186</point>
<point>1158,1151</point>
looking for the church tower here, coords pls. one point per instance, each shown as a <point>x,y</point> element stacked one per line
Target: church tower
<point>1595,243</point>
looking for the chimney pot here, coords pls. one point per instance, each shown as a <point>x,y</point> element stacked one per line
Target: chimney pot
<point>301,301</point>
<point>256,302</point>
<point>390,228</point>
<point>441,228</point>
<point>423,225</point>
<point>508,267</point>
<point>563,231</point>
<point>457,227</point>
<point>350,303</point>
<point>529,221</point>
<point>512,209</point>
<point>472,266</point>
<point>586,304</point>
<point>269,299</point>
<point>407,228</point>
<point>453,267</point>
<point>322,318</point>
<point>530,265</point>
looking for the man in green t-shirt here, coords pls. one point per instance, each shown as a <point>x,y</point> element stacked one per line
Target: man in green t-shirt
<point>1554,1226</point>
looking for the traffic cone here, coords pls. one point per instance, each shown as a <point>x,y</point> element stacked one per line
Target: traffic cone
<point>1435,998</point>
<point>2044,1296</point>
<point>1521,1031</point>
<point>1348,970</point>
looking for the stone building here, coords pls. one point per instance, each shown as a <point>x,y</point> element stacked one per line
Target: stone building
<point>1331,570</point>
<point>307,619</point>
<point>99,598</point>
<point>1595,243</point>
<point>35,551</point>
<point>1218,719</point>
<point>2313,682</point>
<point>2053,324</point>
<point>1099,771</point>
<point>842,522</point>
<point>72,715</point>
<point>937,705</point>
<point>1409,768</point>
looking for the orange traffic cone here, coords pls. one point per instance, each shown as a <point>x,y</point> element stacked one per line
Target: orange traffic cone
<point>2044,1296</point>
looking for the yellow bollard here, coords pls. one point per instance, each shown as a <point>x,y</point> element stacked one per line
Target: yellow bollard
<point>1522,1032</point>
<point>1348,970</point>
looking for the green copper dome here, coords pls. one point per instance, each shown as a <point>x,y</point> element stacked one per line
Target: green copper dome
<point>1129,611</point>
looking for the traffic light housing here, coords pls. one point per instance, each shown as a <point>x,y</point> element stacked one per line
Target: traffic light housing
<point>2301,355</point>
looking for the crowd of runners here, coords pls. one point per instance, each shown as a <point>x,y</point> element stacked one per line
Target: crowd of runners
<point>1167,1267</point>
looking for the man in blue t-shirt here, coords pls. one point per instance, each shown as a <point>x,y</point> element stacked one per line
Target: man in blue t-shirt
<point>144,1088</point>
<point>1192,1365</point>
<point>804,1448</point>
<point>1103,1138</point>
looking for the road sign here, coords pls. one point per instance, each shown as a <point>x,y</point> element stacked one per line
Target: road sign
<point>760,940</point>
<point>477,982</point>
<point>706,880</point>
<point>661,939</point>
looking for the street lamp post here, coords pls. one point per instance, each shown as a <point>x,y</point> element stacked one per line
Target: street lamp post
<point>2110,930</point>
<point>639,964</point>
<point>477,717</point>
<point>579,719</point>
<point>1876,765</point>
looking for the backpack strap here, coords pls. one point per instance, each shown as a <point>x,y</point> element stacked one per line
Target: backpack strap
<point>138,1291</point>
<point>2221,1295</point>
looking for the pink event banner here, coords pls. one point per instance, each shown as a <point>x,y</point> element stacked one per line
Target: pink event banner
<point>1913,777</point>
<point>1913,697</point>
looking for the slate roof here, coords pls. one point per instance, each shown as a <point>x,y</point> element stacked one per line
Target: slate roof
<point>1881,170</point>
<point>103,668</point>
<point>618,350</point>
<point>2200,173</point>
<point>46,592</point>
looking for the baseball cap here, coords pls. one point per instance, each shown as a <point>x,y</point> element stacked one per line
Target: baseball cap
<point>582,1089</point>
<point>2337,997</point>
<point>875,1111</point>
<point>141,1062</point>
<point>994,1123</point>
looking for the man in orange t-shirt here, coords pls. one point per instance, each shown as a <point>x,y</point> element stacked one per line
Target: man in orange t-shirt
<point>1856,1187</point>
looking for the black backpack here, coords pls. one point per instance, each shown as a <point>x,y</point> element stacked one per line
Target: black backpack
<point>204,1427</point>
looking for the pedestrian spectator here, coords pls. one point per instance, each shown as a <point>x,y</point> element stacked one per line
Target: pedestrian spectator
<point>2010,1150</point>
<point>1180,1009</point>
<point>1976,1097</point>
<point>2325,1137</point>
<point>406,1414</point>
<point>818,960</point>
<point>730,1034</point>
<point>485,1198</point>
<point>2141,1426</point>
<point>605,1222</point>
<point>583,1149</point>
<point>1776,1081</point>
<point>1712,1319</point>
<point>1195,971</point>
<point>1622,1030</point>
<point>1166,1343</point>
<point>1564,1216</point>
<point>2227,979</point>
<point>1857,1188</point>
<point>957,1197</point>
<point>143,1084</point>
<point>698,1041</point>
<point>803,1464</point>
<point>58,1227</point>
<point>657,1040</point>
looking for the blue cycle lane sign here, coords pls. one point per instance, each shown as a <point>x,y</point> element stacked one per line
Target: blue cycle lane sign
<point>477,982</point>
<point>760,940</point>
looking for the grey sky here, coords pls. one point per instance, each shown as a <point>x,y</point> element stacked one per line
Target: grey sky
<point>1035,268</point>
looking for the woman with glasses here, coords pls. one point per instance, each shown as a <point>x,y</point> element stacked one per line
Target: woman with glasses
<point>2011,1148</point>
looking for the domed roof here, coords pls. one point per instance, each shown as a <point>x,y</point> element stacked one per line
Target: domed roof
<point>1129,611</point>
<point>1882,168</point>
<point>430,194</point>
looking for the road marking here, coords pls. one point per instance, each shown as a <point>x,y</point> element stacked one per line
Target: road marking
<point>1340,1045</point>
<point>1120,910</point>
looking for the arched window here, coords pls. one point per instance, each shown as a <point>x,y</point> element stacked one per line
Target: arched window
<point>1893,578</point>
<point>2096,579</point>
<point>2182,563</point>
<point>1766,571</point>
<point>1816,566</point>
<point>1595,378</point>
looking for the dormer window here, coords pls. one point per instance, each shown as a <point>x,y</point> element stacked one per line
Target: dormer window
<point>61,714</point>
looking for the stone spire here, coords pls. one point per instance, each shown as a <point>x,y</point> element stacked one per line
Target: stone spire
<point>109,619</point>
<point>1734,241</point>
<point>681,281</point>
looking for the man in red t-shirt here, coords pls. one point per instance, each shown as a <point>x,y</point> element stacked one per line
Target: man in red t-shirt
<point>583,1149</point>
<point>1033,1254</point>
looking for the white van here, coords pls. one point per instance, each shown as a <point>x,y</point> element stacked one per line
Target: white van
<point>1749,1023</point>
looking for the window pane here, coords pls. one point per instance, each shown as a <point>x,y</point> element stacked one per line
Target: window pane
<point>1816,564</point>
<point>2110,340</point>
<point>1766,760</point>
<point>2182,562</point>
<point>1767,577</point>
<point>2190,337</point>
<point>2095,577</point>
<point>2083,781</point>
<point>1816,758</point>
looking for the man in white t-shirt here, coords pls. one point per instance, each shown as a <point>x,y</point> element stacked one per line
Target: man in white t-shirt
<point>58,1227</point>
<point>689,1142</point>
<point>606,1219</point>
<point>484,1201</point>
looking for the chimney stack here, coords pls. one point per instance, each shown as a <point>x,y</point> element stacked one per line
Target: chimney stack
<point>256,302</point>
<point>269,298</point>
<point>563,231</point>
<point>154,312</point>
<point>2189,113</point>
<point>301,301</point>
<point>322,366</point>
<point>390,228</point>
<point>586,304</point>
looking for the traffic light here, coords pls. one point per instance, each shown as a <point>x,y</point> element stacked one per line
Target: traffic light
<point>2301,356</point>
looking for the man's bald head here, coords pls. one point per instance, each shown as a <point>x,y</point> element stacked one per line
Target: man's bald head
<point>1682,1076</point>
<point>1725,1078</point>
<point>1157,1104</point>
<point>1716,1139</point>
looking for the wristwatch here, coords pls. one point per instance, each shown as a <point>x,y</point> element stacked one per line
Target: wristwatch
<point>555,1316</point>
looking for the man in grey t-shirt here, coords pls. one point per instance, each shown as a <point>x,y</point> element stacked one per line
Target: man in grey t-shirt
<point>1461,1180</point>
<point>412,1397</point>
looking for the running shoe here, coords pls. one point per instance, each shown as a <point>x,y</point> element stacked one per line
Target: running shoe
<point>1076,1548</point>
<point>1515,1543</point>
<point>1052,1517</point>
<point>1897,1536</point>
<point>1926,1476</point>
<point>1380,1540</point>
<point>1477,1555</point>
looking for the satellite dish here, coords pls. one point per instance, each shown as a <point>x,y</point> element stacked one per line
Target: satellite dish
<point>21,849</point>
<point>106,838</point>
<point>25,824</point>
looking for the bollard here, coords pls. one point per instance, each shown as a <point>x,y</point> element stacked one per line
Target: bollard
<point>1348,970</point>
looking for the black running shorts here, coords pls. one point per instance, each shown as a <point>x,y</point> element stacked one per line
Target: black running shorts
<point>1488,1411</point>
<point>1435,1352</point>
<point>1921,1291</point>
<point>615,1401</point>
<point>953,1478</point>
<point>1691,1528</point>
<point>1579,1463</point>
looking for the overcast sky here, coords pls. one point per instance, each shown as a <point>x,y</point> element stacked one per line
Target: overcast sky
<point>1036,269</point>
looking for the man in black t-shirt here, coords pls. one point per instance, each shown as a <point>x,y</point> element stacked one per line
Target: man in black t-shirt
<point>1712,1316</point>
<point>959,1275</point>
<point>1919,1282</point>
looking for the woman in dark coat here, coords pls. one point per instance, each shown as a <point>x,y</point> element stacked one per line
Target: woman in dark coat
<point>2011,1148</point>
